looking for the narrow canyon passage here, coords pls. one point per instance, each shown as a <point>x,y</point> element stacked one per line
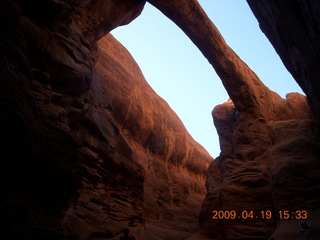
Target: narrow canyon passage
<point>90,149</point>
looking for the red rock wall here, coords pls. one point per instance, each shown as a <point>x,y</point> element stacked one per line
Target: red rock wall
<point>292,27</point>
<point>88,147</point>
<point>159,141</point>
<point>269,164</point>
<point>269,157</point>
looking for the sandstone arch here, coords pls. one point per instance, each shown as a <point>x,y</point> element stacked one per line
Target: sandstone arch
<point>58,120</point>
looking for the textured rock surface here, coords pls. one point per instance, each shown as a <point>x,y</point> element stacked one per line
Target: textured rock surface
<point>293,29</point>
<point>96,18</point>
<point>270,163</point>
<point>88,147</point>
<point>269,146</point>
<point>159,141</point>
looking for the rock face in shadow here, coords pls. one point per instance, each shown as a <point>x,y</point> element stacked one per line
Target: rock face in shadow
<point>95,19</point>
<point>88,147</point>
<point>293,29</point>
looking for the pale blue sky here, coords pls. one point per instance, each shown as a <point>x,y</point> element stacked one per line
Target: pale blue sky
<point>180,74</point>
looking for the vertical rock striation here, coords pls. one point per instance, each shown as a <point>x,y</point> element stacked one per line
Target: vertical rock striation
<point>267,164</point>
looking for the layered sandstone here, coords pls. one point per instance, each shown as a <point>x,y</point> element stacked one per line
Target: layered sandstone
<point>269,157</point>
<point>266,164</point>
<point>89,148</point>
<point>159,141</point>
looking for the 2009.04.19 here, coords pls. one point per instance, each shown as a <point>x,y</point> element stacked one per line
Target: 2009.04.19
<point>267,214</point>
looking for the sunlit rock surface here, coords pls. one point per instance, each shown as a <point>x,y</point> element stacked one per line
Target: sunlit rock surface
<point>270,156</point>
<point>266,164</point>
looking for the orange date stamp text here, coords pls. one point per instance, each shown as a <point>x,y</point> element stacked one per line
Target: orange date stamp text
<point>265,214</point>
